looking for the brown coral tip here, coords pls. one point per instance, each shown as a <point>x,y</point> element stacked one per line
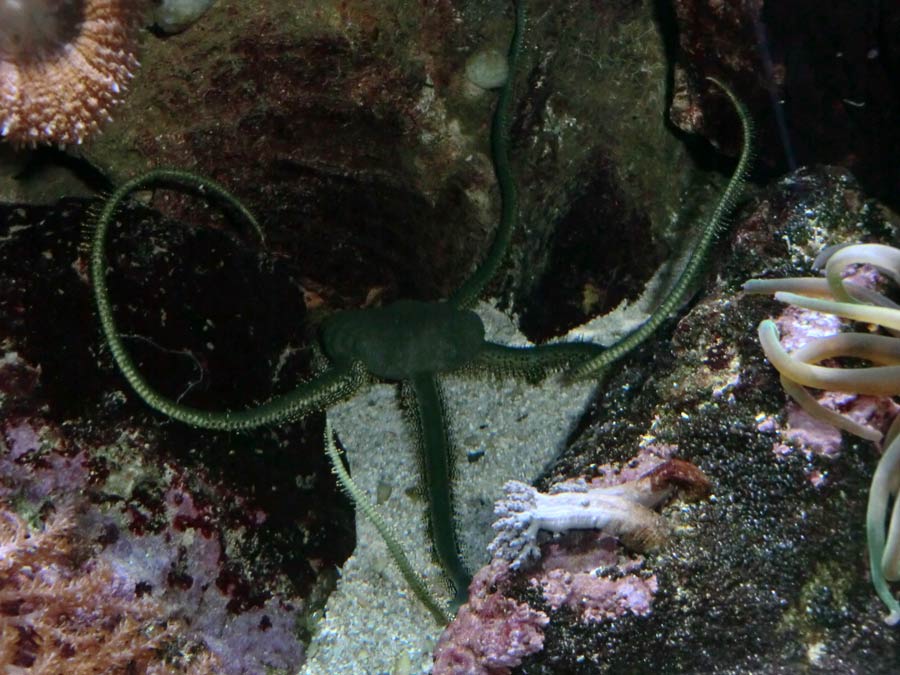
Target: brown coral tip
<point>64,64</point>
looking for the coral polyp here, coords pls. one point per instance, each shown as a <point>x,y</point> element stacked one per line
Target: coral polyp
<point>63,67</point>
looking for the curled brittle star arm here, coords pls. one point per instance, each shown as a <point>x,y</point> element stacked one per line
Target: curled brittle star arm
<point>335,384</point>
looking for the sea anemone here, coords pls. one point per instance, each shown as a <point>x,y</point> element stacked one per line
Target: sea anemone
<point>800,369</point>
<point>64,64</point>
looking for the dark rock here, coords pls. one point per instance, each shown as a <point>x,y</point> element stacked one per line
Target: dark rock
<point>822,81</point>
<point>770,574</point>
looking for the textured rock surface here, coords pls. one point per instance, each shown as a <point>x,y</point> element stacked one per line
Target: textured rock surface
<point>769,575</point>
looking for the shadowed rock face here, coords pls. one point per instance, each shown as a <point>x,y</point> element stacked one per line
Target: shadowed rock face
<point>321,119</point>
<point>351,131</point>
<point>830,71</point>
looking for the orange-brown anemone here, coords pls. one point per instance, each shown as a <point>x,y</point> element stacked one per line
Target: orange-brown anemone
<point>64,64</point>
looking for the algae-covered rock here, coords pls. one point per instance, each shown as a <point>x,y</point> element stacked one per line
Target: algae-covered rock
<point>770,574</point>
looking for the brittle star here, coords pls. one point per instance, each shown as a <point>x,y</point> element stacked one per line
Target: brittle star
<point>410,342</point>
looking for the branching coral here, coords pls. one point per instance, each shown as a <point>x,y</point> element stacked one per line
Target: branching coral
<point>801,369</point>
<point>60,616</point>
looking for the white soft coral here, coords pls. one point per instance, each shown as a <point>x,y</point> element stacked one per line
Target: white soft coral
<point>624,510</point>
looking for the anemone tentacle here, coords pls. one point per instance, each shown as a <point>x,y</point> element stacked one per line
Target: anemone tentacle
<point>834,295</point>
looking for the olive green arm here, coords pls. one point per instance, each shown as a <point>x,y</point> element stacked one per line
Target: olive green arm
<point>425,403</point>
<point>335,384</point>
<point>533,362</point>
<point>678,293</point>
<point>363,504</point>
<point>467,294</point>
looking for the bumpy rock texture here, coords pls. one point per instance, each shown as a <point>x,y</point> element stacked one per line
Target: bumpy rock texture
<point>770,573</point>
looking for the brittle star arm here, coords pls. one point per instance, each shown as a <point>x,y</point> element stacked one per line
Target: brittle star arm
<point>424,404</point>
<point>688,277</point>
<point>466,295</point>
<point>533,362</point>
<point>335,384</point>
<point>412,578</point>
<point>582,360</point>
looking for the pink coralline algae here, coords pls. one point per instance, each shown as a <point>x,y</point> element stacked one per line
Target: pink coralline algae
<point>597,593</point>
<point>797,328</point>
<point>492,633</point>
<point>60,612</point>
<point>815,437</point>
<point>163,552</point>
